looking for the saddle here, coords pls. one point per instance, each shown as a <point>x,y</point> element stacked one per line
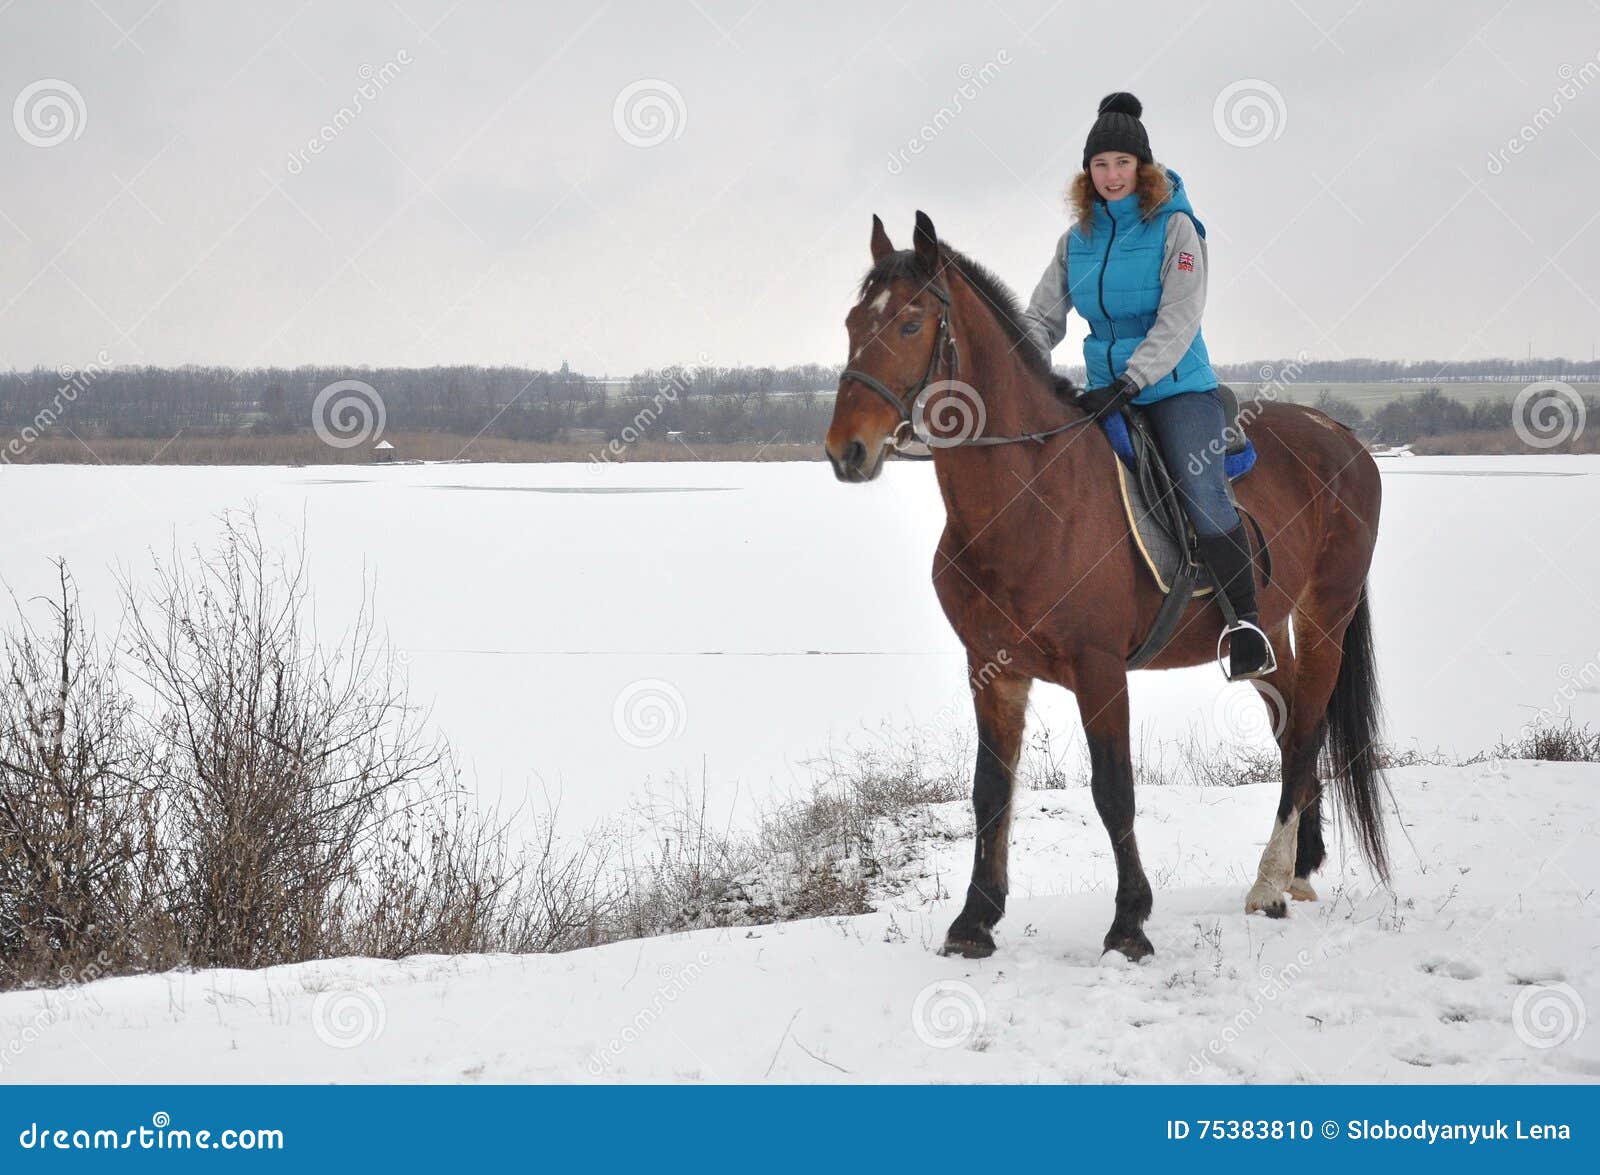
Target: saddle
<point>1160,527</point>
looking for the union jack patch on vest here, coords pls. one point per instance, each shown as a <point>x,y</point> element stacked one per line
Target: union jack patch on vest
<point>1186,261</point>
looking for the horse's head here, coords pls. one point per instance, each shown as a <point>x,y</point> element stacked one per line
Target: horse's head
<point>900,338</point>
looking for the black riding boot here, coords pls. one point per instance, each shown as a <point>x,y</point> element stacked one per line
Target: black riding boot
<point>1228,557</point>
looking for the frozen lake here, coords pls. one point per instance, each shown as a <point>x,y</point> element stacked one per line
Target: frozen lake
<point>588,634</point>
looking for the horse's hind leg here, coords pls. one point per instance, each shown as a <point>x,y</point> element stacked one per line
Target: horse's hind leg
<point>1294,849</point>
<point>1001,705</point>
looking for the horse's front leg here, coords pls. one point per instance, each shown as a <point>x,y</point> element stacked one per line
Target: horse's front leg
<point>1101,688</point>
<point>1001,703</point>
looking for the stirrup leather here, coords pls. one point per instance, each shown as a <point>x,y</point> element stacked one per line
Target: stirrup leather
<point>1272,658</point>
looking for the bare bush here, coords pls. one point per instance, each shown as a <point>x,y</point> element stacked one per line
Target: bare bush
<point>79,884</point>
<point>274,755</point>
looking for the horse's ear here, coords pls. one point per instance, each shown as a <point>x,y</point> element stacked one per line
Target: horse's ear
<point>881,247</point>
<point>926,241</point>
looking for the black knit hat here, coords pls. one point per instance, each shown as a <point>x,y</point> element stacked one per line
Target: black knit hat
<point>1118,129</point>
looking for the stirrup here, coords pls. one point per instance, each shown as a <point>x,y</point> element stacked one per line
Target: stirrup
<point>1272,658</point>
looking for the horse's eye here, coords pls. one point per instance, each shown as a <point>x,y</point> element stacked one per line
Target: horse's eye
<point>911,328</point>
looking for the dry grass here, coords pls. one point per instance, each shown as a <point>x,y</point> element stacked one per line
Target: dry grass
<point>308,449</point>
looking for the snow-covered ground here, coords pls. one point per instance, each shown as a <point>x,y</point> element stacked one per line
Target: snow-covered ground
<point>1481,964</point>
<point>582,631</point>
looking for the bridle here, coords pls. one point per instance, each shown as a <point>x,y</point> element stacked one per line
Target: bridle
<point>946,353</point>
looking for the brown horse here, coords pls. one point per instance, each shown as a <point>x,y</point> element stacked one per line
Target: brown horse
<point>1037,572</point>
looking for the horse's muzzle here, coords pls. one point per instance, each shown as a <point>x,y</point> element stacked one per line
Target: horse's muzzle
<point>855,462</point>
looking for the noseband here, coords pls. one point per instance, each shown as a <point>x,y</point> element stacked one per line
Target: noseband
<point>944,352</point>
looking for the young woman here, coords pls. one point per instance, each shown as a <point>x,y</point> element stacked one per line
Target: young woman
<point>1134,265</point>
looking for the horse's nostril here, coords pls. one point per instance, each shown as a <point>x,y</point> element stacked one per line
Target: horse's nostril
<point>855,455</point>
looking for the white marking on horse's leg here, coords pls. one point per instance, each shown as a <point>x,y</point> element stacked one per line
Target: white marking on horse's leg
<point>1277,870</point>
<point>1300,890</point>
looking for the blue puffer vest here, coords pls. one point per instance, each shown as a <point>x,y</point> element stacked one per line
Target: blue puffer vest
<point>1114,276</point>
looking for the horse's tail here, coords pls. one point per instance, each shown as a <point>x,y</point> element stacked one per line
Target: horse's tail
<point>1352,746</point>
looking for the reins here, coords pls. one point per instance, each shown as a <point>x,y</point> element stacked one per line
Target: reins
<point>944,350</point>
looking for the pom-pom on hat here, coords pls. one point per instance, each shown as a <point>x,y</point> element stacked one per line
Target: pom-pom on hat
<point>1118,129</point>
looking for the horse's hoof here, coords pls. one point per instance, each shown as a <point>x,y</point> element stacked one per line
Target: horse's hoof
<point>1263,899</point>
<point>971,942</point>
<point>1300,890</point>
<point>1132,945</point>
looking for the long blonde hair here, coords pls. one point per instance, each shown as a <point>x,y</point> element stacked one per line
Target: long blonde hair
<point>1153,188</point>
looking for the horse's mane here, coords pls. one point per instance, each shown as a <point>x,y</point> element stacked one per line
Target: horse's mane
<point>904,263</point>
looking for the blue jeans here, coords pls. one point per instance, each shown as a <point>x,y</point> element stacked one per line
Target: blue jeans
<point>1188,427</point>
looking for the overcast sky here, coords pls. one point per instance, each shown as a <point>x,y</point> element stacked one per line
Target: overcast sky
<point>631,184</point>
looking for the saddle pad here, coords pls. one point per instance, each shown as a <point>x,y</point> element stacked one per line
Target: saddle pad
<point>1150,538</point>
<point>1234,465</point>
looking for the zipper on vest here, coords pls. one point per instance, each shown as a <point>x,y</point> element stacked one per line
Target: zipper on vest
<point>1110,325</point>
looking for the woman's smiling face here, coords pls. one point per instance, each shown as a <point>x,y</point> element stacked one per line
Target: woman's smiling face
<point>1115,174</point>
